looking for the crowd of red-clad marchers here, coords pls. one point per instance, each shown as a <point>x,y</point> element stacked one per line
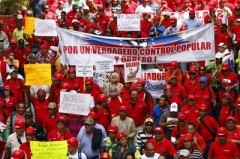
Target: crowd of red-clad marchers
<point>198,115</point>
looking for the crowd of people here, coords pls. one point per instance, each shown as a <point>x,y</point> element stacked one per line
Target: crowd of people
<point>198,115</point>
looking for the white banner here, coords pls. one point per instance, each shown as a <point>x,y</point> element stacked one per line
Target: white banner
<point>128,22</point>
<point>188,46</point>
<point>155,81</point>
<point>74,103</point>
<point>45,27</point>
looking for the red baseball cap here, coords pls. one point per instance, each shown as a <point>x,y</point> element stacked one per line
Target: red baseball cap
<point>158,129</point>
<point>44,46</point>
<point>222,131</point>
<point>72,69</point>
<point>173,20</point>
<point>123,107</point>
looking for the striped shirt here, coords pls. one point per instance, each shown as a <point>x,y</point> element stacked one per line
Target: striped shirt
<point>195,154</point>
<point>142,138</point>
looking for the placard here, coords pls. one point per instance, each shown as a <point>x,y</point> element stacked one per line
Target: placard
<point>74,103</point>
<point>128,22</point>
<point>84,71</point>
<point>132,71</point>
<point>29,25</point>
<point>49,150</point>
<point>104,66</point>
<point>38,74</point>
<point>45,27</point>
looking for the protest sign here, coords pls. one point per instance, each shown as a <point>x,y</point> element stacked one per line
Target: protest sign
<point>49,150</point>
<point>45,27</point>
<point>155,81</point>
<point>128,22</point>
<point>29,25</point>
<point>74,103</point>
<point>104,66</point>
<point>84,71</point>
<point>132,71</point>
<point>194,45</point>
<point>38,74</point>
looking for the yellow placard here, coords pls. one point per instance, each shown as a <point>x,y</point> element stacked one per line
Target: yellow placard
<point>38,74</point>
<point>49,150</point>
<point>29,25</point>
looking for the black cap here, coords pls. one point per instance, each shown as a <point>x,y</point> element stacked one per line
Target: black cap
<point>21,41</point>
<point>28,115</point>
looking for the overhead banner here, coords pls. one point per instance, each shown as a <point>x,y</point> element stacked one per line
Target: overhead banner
<point>191,45</point>
<point>155,81</point>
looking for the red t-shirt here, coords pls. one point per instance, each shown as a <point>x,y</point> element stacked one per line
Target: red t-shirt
<point>75,83</point>
<point>179,91</point>
<point>17,86</point>
<point>7,107</point>
<point>103,116</point>
<point>220,151</point>
<point>50,123</point>
<point>40,109</point>
<point>26,148</point>
<point>54,135</point>
<point>190,86</point>
<point>142,95</point>
<point>145,26</point>
<point>177,130</point>
<point>191,113</point>
<point>223,115</point>
<point>235,135</point>
<point>163,147</point>
<point>114,104</point>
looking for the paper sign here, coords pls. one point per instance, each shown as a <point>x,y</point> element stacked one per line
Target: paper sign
<point>104,66</point>
<point>74,103</point>
<point>48,150</point>
<point>128,22</point>
<point>132,71</point>
<point>84,71</point>
<point>45,27</point>
<point>38,74</point>
<point>29,25</point>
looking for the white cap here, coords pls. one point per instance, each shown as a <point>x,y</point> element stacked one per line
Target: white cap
<point>29,12</point>
<point>222,45</point>
<point>184,152</point>
<point>75,20</point>
<point>86,7</point>
<point>19,16</point>
<point>218,55</point>
<point>166,13</point>
<point>174,107</point>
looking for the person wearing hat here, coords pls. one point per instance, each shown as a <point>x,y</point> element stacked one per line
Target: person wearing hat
<point>145,24</point>
<point>188,145</point>
<point>76,25</point>
<point>178,90</point>
<point>91,139</point>
<point>18,32</point>
<point>15,139</point>
<point>227,80</point>
<point>171,98</point>
<point>59,9</point>
<point>173,28</point>
<point>223,47</point>
<point>76,83</point>
<point>192,81</point>
<point>61,133</point>
<point>111,139</point>
<point>191,109</point>
<point>223,148</point>
<point>45,55</point>
<point>198,141</point>
<point>176,71</point>
<point>87,14</point>
<point>18,154</point>
<point>144,8</point>
<point>227,12</point>
<point>102,111</point>
<point>236,112</point>
<point>180,129</point>
<point>54,91</point>
<point>162,145</point>
<point>30,136</point>
<point>114,101</point>
<point>169,119</point>
<point>183,154</point>
<point>192,22</point>
<point>145,134</point>
<point>102,19</point>
<point>157,29</point>
<point>166,20</point>
<point>12,46</point>
<point>222,110</point>
<point>7,103</point>
<point>206,126</point>
<point>50,120</point>
<point>72,14</point>
<point>125,123</point>
<point>119,150</point>
<point>29,122</point>
<point>104,155</point>
<point>73,150</point>
<point>165,7</point>
<point>205,94</point>
<point>232,131</point>
<point>114,81</point>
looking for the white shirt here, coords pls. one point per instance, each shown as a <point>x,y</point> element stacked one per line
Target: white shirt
<point>13,143</point>
<point>141,9</point>
<point>155,156</point>
<point>75,156</point>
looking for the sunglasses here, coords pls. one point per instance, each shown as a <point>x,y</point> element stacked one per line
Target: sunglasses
<point>192,73</point>
<point>149,125</point>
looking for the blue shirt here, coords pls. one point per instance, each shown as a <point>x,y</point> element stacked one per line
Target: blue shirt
<point>157,113</point>
<point>195,23</point>
<point>159,29</point>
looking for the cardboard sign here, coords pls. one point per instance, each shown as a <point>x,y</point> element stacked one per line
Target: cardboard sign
<point>128,22</point>
<point>84,71</point>
<point>132,71</point>
<point>29,25</point>
<point>45,27</point>
<point>104,66</point>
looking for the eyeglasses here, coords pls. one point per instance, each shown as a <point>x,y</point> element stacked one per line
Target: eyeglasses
<point>192,73</point>
<point>149,125</point>
<point>202,82</point>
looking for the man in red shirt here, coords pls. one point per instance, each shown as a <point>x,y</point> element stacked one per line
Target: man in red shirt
<point>127,8</point>
<point>145,24</point>
<point>137,109</point>
<point>72,14</point>
<point>30,136</point>
<point>233,132</point>
<point>172,98</point>
<point>192,82</point>
<point>222,148</point>
<point>178,90</point>
<point>191,109</point>
<point>75,82</point>
<point>162,145</point>
<point>114,102</point>
<point>50,120</point>
<point>205,94</point>
<point>236,112</point>
<point>102,19</point>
